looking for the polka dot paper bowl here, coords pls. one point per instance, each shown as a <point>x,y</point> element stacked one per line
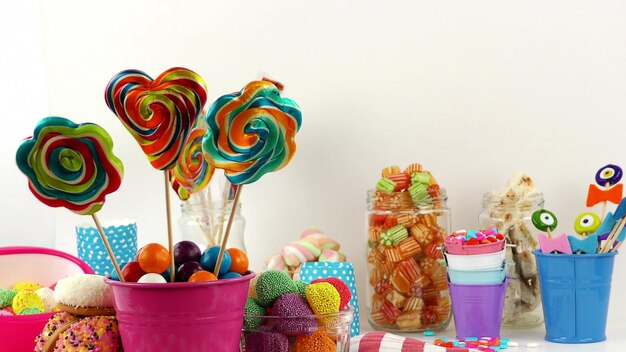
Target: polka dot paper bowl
<point>320,333</point>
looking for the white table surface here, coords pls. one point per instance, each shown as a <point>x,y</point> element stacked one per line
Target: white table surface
<point>616,339</point>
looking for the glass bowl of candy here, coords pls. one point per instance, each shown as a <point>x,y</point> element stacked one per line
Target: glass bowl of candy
<point>282,314</point>
<point>320,333</point>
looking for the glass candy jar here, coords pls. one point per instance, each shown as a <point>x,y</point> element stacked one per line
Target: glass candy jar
<point>511,214</point>
<point>205,223</point>
<point>407,288</point>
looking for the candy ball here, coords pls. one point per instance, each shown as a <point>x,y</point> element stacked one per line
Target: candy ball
<point>239,260</point>
<point>296,307</point>
<point>253,308</point>
<point>6,297</point>
<point>230,275</point>
<point>266,341</point>
<point>317,342</point>
<point>132,272</point>
<point>323,298</point>
<point>186,251</point>
<point>154,258</point>
<point>300,287</point>
<point>26,299</point>
<point>273,284</point>
<point>26,286</point>
<point>152,278</point>
<point>202,276</point>
<point>208,260</point>
<point>341,287</point>
<point>184,272</point>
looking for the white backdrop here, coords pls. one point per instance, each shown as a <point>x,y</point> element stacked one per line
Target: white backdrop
<point>475,91</point>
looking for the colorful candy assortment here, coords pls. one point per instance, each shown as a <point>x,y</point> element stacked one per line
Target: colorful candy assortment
<point>192,265</point>
<point>285,315</point>
<point>408,284</point>
<point>595,234</point>
<point>26,298</point>
<point>313,246</point>
<point>486,344</point>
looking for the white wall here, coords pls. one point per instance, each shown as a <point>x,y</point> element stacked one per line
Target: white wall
<point>474,90</point>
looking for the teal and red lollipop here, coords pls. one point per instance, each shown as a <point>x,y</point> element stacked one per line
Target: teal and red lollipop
<point>73,166</point>
<point>251,133</point>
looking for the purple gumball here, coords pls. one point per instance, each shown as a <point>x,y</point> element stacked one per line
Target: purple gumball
<point>297,315</point>
<point>186,251</point>
<point>186,270</point>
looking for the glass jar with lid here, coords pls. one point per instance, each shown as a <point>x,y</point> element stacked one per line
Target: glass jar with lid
<point>510,212</point>
<point>407,288</point>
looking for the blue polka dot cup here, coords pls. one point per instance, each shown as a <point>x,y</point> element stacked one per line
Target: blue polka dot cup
<point>122,236</point>
<point>344,271</point>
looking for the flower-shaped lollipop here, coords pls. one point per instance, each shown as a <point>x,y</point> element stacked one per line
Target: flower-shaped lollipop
<point>71,165</point>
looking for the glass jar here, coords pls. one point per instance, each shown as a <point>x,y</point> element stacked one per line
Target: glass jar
<point>512,217</point>
<point>205,223</point>
<point>407,287</point>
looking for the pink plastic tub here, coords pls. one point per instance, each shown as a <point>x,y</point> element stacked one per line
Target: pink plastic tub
<point>454,246</point>
<point>190,317</point>
<point>41,265</point>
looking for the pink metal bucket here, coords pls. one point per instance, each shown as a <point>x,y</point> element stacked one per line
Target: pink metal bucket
<point>185,316</point>
<point>41,265</point>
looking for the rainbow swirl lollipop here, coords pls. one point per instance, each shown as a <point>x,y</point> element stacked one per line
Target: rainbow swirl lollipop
<point>251,132</point>
<point>192,172</point>
<point>158,113</point>
<point>70,165</point>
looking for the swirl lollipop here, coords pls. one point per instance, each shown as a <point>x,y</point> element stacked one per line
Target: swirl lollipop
<point>71,165</point>
<point>251,132</point>
<point>158,113</point>
<point>192,172</point>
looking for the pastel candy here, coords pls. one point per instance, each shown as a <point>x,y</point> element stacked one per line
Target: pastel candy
<point>70,165</point>
<point>251,132</point>
<point>158,113</point>
<point>588,245</point>
<point>607,224</point>
<point>558,243</point>
<point>276,262</point>
<point>329,255</point>
<point>324,241</point>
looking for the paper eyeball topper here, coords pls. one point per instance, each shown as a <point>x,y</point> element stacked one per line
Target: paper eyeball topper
<point>544,220</point>
<point>608,175</point>
<point>587,223</point>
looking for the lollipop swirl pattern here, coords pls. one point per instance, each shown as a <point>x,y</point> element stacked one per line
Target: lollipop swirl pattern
<point>192,172</point>
<point>251,132</point>
<point>158,113</point>
<point>70,165</point>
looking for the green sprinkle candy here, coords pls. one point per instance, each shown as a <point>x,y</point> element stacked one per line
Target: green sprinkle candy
<point>30,311</point>
<point>6,297</point>
<point>386,185</point>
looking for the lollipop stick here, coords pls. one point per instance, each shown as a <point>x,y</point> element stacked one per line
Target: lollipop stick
<point>105,240</point>
<point>170,245</point>
<point>606,187</point>
<point>613,236</point>
<point>228,227</point>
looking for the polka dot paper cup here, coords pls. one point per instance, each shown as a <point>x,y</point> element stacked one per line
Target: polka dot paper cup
<point>322,333</point>
<point>122,235</point>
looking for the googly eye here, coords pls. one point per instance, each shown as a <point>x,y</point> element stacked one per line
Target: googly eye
<point>544,220</point>
<point>587,223</point>
<point>609,174</point>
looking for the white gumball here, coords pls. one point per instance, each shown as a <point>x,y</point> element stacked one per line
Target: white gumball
<point>152,278</point>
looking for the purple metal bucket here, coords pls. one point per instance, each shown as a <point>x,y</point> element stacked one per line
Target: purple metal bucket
<point>477,309</point>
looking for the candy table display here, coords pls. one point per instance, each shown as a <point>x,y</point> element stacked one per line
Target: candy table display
<point>407,221</point>
<point>575,271</point>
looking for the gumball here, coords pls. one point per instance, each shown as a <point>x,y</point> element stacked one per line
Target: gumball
<point>166,273</point>
<point>609,175</point>
<point>587,223</point>
<point>186,251</point>
<point>209,259</point>
<point>152,278</point>
<point>544,220</point>
<point>187,270</point>
<point>230,275</point>
<point>132,272</point>
<point>154,258</point>
<point>202,275</point>
<point>239,260</point>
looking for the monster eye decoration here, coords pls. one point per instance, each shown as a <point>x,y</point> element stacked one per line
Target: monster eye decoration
<point>587,223</point>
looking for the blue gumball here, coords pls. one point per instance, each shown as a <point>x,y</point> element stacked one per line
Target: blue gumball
<point>229,275</point>
<point>209,259</point>
<point>166,273</point>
